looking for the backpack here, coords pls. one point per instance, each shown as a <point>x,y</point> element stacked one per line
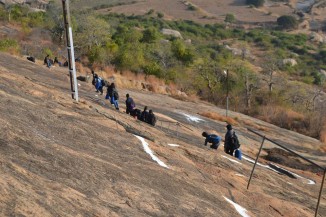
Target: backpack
<point>152,119</point>
<point>238,154</point>
<point>235,141</point>
<point>116,95</point>
<point>104,83</point>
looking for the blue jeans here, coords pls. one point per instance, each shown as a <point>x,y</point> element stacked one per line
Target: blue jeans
<point>112,101</point>
<point>115,102</point>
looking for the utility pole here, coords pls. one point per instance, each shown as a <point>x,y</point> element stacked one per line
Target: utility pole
<point>226,72</point>
<point>71,52</point>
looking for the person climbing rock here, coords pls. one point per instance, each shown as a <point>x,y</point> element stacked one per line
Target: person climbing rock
<point>130,104</point>
<point>212,138</point>
<point>144,115</point>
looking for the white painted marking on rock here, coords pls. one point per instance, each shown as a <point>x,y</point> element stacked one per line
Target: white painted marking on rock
<point>235,161</point>
<point>238,174</point>
<point>242,211</point>
<point>193,118</point>
<point>150,152</point>
<point>310,182</point>
<point>173,145</point>
<point>79,84</point>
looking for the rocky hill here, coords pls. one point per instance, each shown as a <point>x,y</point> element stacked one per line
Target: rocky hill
<point>61,158</point>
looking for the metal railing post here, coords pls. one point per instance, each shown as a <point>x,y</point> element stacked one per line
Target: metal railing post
<point>320,193</point>
<point>252,172</point>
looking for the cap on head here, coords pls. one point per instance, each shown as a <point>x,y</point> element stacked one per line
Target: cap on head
<point>204,134</point>
<point>229,127</point>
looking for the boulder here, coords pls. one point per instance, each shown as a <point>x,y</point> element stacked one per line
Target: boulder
<point>171,32</point>
<point>289,61</point>
<point>315,37</point>
<point>323,72</point>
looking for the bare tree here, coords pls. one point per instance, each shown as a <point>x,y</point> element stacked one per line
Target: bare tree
<point>270,67</point>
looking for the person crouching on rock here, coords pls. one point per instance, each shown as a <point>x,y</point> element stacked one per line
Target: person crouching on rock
<point>212,138</point>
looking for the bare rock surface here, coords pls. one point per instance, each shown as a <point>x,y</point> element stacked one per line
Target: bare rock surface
<point>60,158</point>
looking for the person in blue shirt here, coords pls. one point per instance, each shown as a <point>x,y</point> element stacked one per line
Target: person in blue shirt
<point>212,138</point>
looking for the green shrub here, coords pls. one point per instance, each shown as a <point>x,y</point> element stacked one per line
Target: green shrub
<point>8,44</point>
<point>160,15</point>
<point>256,3</point>
<point>229,18</point>
<point>287,22</point>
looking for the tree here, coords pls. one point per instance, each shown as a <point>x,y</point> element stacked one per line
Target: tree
<point>256,3</point>
<point>130,57</point>
<point>229,18</point>
<point>150,35</point>
<point>181,52</point>
<point>91,32</point>
<point>287,22</point>
<point>270,67</point>
<point>247,79</point>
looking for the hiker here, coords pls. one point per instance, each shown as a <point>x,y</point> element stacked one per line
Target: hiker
<point>31,58</point>
<point>99,84</point>
<point>57,61</point>
<point>94,77</point>
<point>47,61</point>
<point>66,64</point>
<point>130,105</point>
<point>112,95</point>
<point>231,142</point>
<point>212,138</point>
<point>144,115</point>
<point>151,119</point>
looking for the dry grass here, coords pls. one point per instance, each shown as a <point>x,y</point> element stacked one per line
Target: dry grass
<point>282,117</point>
<point>249,123</point>
<point>216,116</point>
<point>130,80</point>
<point>323,136</point>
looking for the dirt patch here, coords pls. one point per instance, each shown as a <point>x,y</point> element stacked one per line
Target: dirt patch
<point>288,159</point>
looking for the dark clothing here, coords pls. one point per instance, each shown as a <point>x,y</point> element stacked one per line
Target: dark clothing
<point>130,105</point>
<point>109,92</point>
<point>228,146</point>
<point>151,119</point>
<point>95,76</point>
<point>47,61</point>
<point>214,139</point>
<point>32,59</point>
<point>144,116</point>
<point>136,113</point>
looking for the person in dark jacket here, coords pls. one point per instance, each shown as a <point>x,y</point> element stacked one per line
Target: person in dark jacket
<point>228,146</point>
<point>94,77</point>
<point>98,84</point>
<point>114,96</point>
<point>47,61</point>
<point>151,119</point>
<point>144,115</point>
<point>212,138</point>
<point>57,61</point>
<point>130,104</point>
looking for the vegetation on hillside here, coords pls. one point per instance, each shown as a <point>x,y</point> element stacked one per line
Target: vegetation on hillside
<point>273,75</point>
